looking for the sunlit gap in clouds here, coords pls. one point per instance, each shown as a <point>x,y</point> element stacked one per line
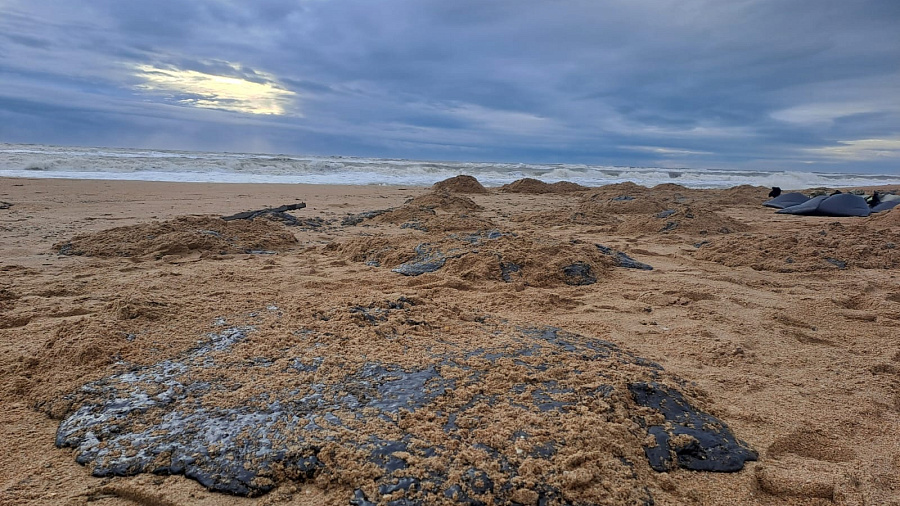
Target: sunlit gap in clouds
<point>197,89</point>
<point>861,149</point>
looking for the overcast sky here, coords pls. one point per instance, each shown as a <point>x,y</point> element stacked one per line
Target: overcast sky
<point>768,84</point>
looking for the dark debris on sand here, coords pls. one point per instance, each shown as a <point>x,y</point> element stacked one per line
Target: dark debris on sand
<point>623,260</point>
<point>277,214</point>
<point>355,219</point>
<point>182,416</point>
<point>502,256</point>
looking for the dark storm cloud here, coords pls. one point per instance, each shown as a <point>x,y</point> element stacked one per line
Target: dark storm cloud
<point>763,83</point>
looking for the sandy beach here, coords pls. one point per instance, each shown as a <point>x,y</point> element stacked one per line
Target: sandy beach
<point>784,328</point>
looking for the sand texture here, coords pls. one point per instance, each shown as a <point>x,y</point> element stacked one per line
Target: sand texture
<point>530,344</point>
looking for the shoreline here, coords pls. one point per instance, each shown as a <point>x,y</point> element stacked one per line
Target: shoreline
<point>7,181</point>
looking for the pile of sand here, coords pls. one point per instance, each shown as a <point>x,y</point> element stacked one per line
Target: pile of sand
<point>527,185</point>
<point>627,188</point>
<point>665,192</point>
<point>611,206</point>
<point>437,211</point>
<point>555,217</point>
<point>885,220</point>
<point>443,201</point>
<point>599,204</point>
<point>486,257</point>
<point>566,215</point>
<point>600,208</point>
<point>568,187</point>
<point>682,220</point>
<point>835,246</point>
<point>636,210</point>
<point>743,195</point>
<point>181,236</point>
<point>460,184</point>
<point>536,187</point>
<point>448,223</point>
<point>458,243</point>
<point>400,400</point>
<point>672,190</point>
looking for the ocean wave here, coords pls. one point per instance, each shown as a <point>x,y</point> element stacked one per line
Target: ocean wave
<point>182,166</point>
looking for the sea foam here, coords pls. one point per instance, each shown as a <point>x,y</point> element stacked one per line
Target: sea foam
<point>40,161</point>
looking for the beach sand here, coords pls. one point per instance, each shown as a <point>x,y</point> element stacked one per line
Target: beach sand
<point>786,328</point>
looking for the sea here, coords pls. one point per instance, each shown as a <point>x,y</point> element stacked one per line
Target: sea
<point>43,161</point>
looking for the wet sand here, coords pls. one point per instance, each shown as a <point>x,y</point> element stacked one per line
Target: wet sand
<point>784,327</point>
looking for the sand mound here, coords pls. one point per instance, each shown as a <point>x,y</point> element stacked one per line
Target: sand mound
<point>437,211</point>
<point>674,189</point>
<point>429,204</point>
<point>743,195</point>
<point>537,262</point>
<point>591,214</point>
<point>402,402</point>
<point>597,205</point>
<point>628,198</point>
<point>460,184</point>
<point>536,187</point>
<point>527,185</point>
<point>685,220</point>
<point>484,256</point>
<point>444,201</point>
<point>450,223</point>
<point>568,187</point>
<point>885,220</point>
<point>599,209</point>
<point>833,247</point>
<point>549,218</point>
<point>180,236</point>
<point>627,188</point>
<point>600,221</point>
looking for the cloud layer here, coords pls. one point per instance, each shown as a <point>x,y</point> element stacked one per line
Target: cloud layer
<point>768,84</point>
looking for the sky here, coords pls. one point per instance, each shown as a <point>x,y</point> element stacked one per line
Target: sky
<point>762,84</point>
